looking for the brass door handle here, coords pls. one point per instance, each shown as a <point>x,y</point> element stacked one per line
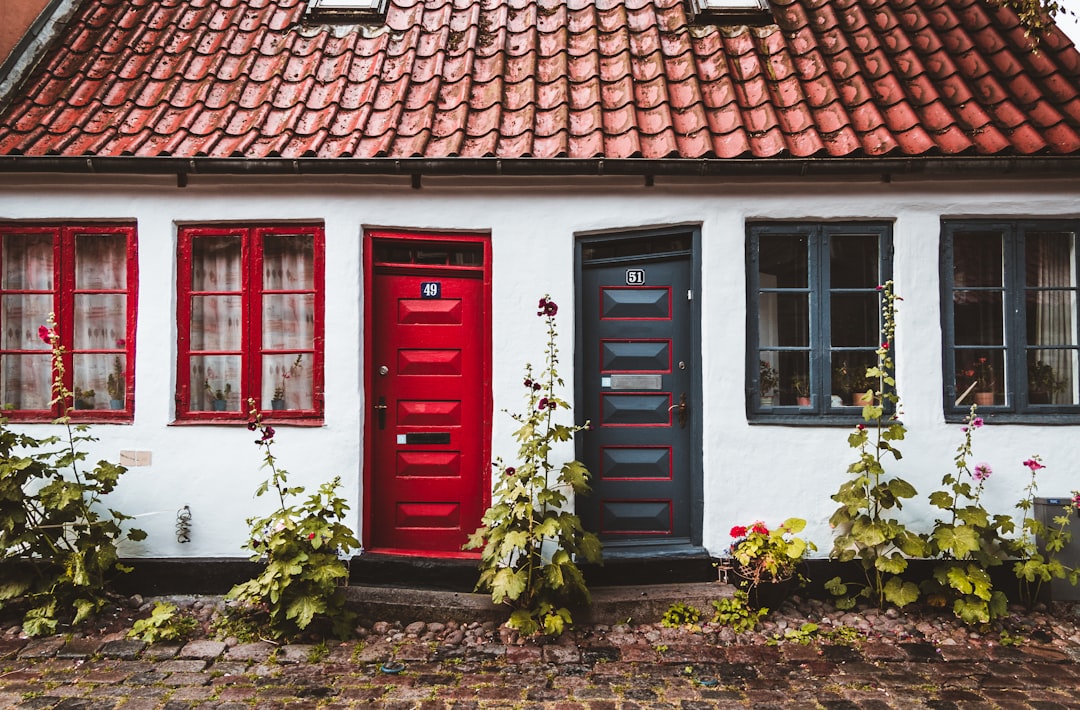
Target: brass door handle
<point>381,409</point>
<point>683,410</point>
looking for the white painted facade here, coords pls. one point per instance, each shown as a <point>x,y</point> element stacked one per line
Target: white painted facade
<point>751,472</point>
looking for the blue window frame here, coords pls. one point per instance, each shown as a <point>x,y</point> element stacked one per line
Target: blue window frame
<point>813,317</point>
<point>1009,319</point>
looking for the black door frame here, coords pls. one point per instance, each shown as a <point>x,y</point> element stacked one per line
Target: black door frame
<point>645,547</point>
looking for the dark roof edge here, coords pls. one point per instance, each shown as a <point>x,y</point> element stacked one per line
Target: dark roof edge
<point>938,166</point>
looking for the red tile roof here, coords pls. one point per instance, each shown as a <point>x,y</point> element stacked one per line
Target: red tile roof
<point>584,79</point>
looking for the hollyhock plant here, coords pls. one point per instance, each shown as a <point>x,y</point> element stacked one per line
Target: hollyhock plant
<point>530,544</point>
<point>1040,542</point>
<point>300,547</point>
<point>969,541</point>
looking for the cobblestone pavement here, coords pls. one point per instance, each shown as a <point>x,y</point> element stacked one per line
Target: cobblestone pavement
<point>595,667</point>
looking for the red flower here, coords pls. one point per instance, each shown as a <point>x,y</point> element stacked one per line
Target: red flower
<point>311,536</point>
<point>510,470</point>
<point>1034,464</point>
<point>738,531</point>
<point>45,334</point>
<point>547,307</point>
<point>759,527</point>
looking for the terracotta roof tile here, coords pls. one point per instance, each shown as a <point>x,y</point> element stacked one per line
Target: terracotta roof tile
<point>546,78</point>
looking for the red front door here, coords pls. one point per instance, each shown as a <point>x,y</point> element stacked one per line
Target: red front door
<point>428,397</point>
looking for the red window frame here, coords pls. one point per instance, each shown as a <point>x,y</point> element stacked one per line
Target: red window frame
<point>251,349</point>
<point>64,293</point>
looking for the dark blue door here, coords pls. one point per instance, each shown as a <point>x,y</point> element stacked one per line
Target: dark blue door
<point>638,358</point>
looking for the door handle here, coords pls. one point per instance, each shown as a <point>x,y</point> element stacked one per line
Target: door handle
<point>381,409</point>
<point>683,410</point>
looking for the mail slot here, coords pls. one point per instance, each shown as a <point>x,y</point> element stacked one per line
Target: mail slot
<point>633,382</point>
<point>425,438</point>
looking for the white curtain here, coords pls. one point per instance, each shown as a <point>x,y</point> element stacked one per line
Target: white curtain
<point>1051,259</point>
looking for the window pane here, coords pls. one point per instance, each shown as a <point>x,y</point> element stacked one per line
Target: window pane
<point>22,316</point>
<point>100,321</point>
<point>216,322</point>
<point>28,262</point>
<point>978,318</point>
<point>101,261</point>
<point>288,321</point>
<point>1051,376</point>
<point>784,319</point>
<point>849,376</point>
<point>1050,259</point>
<point>1051,317</point>
<point>853,261</point>
<point>287,381</point>
<point>977,260</point>
<point>768,378</point>
<point>215,383</point>
<point>794,377</point>
<point>288,262</point>
<point>91,381</point>
<point>980,377</point>
<point>1050,299</point>
<point>782,261</point>
<point>25,381</point>
<point>855,319</point>
<point>215,264</point>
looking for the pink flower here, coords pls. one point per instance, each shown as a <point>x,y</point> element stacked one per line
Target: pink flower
<point>1034,463</point>
<point>1076,500</point>
<point>982,472</point>
<point>45,334</point>
<point>977,422</point>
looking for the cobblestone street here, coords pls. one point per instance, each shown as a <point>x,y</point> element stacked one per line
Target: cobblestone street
<point>594,667</point>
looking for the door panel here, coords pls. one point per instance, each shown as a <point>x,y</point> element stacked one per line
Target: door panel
<point>637,361</point>
<point>427,408</point>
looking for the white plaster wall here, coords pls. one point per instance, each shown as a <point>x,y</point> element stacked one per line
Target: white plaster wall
<point>751,471</point>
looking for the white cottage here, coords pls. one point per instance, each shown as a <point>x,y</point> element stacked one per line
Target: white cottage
<point>348,209</point>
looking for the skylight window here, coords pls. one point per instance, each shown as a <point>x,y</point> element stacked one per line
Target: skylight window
<point>726,7</point>
<point>346,8</point>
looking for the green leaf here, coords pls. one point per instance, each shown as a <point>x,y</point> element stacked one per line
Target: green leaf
<point>508,584</point>
<point>941,499</point>
<point>901,593</point>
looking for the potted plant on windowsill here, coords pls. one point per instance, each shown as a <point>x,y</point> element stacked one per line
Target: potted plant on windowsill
<point>800,385</point>
<point>978,378</point>
<point>84,399</point>
<point>768,379</point>
<point>1043,383</point>
<point>851,381</point>
<point>115,385</point>
<point>278,400</point>
<point>218,397</point>
<point>766,562</point>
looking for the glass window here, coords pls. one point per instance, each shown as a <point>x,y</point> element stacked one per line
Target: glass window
<point>86,277</point>
<point>814,321</point>
<point>1009,314</point>
<point>251,320</point>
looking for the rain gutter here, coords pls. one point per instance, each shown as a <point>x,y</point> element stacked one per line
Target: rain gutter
<point>879,168</point>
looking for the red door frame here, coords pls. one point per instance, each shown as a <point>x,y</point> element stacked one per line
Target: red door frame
<point>370,239</point>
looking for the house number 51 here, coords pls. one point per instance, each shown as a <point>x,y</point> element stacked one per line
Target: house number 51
<point>635,277</point>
